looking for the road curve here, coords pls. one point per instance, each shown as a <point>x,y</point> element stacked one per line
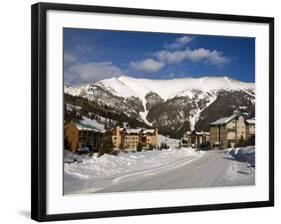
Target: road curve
<point>213,169</point>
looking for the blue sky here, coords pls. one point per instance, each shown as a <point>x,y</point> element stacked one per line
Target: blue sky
<point>93,55</point>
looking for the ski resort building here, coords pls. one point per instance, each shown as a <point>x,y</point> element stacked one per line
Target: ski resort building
<point>195,138</point>
<point>78,134</point>
<point>232,131</point>
<point>131,138</point>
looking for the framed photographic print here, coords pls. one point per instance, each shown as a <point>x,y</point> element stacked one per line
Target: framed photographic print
<point>139,111</point>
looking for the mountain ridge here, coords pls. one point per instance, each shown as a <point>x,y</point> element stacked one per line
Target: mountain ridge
<point>170,104</point>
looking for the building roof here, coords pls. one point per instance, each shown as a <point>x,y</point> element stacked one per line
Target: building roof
<point>132,130</point>
<point>202,133</point>
<point>137,130</point>
<point>148,131</point>
<point>80,126</point>
<point>198,133</point>
<point>88,125</point>
<point>251,121</point>
<point>224,120</point>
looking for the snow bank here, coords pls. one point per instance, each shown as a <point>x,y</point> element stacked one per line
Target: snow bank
<point>110,166</point>
<point>246,154</point>
<point>172,142</point>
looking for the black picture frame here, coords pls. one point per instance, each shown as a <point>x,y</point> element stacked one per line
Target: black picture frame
<point>39,122</point>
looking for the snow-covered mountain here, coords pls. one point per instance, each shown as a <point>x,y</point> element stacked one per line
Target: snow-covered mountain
<point>176,105</point>
<point>125,86</point>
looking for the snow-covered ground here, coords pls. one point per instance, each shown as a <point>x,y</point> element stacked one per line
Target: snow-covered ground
<point>160,169</point>
<point>245,154</point>
<point>171,142</point>
<point>211,169</point>
<point>95,171</point>
<point>109,166</point>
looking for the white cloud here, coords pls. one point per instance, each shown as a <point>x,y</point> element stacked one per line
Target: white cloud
<point>197,55</point>
<point>91,72</point>
<point>69,58</point>
<point>180,42</point>
<point>184,39</point>
<point>213,57</point>
<point>171,57</point>
<point>148,65</point>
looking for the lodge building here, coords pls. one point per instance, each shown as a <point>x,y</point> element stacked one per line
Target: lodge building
<point>195,138</point>
<point>78,134</point>
<point>130,138</point>
<point>230,131</point>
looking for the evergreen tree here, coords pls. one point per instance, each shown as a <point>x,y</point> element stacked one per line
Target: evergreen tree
<point>107,145</point>
<point>139,147</point>
<point>241,142</point>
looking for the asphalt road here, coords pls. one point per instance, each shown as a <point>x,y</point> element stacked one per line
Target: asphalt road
<point>213,169</point>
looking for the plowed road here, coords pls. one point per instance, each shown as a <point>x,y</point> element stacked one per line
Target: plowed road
<point>213,169</point>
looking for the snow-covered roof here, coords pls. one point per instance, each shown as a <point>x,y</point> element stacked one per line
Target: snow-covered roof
<point>202,133</point>
<point>83,127</point>
<point>137,130</point>
<point>132,130</point>
<point>251,121</point>
<point>89,125</point>
<point>72,106</point>
<point>148,131</point>
<point>224,120</point>
<point>197,133</point>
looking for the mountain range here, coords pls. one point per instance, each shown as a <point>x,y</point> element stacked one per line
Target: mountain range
<point>173,106</point>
